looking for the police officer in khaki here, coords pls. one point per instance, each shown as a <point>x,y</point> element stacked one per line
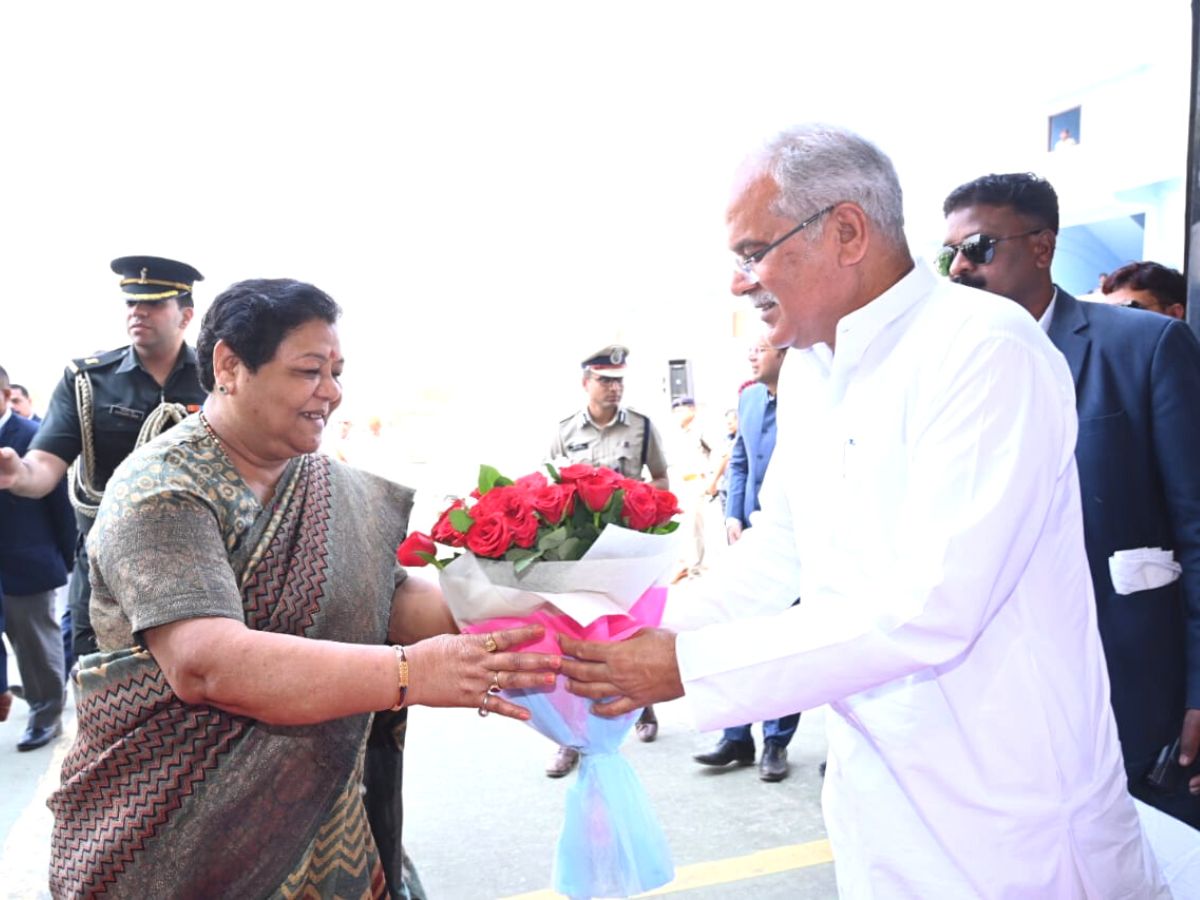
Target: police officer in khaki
<point>605,433</point>
<point>108,404</point>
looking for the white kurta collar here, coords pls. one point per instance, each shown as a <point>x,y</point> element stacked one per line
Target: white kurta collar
<point>858,329</point>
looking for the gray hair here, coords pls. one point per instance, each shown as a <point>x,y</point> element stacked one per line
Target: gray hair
<point>815,166</point>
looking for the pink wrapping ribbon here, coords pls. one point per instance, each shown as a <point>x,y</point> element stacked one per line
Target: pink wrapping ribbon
<point>645,613</point>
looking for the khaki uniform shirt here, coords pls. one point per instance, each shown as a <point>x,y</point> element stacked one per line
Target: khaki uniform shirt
<point>618,445</point>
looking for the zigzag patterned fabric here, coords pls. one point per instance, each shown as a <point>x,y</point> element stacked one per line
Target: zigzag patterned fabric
<point>164,799</point>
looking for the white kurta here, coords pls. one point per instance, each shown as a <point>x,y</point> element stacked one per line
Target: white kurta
<point>924,505</point>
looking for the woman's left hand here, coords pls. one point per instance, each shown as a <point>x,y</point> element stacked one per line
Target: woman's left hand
<point>466,670</point>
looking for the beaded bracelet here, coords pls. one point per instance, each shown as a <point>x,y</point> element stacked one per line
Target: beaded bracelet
<point>401,677</point>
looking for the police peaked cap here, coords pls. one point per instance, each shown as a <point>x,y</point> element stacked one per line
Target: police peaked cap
<point>609,362</point>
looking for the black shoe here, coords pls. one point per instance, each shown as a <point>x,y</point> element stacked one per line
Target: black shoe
<point>727,752</point>
<point>647,725</point>
<point>564,761</point>
<point>38,737</point>
<point>774,765</point>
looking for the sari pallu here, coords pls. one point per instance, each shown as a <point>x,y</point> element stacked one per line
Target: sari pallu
<point>163,799</point>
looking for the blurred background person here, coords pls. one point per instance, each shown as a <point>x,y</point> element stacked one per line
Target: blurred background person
<point>720,479</point>
<point>22,404</point>
<point>1148,285</point>
<point>752,450</point>
<point>694,461</point>
<point>37,550</point>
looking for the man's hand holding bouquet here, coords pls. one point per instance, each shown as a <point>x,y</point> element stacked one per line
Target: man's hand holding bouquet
<point>581,553</point>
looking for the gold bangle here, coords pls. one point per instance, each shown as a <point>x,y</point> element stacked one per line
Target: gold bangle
<point>401,677</point>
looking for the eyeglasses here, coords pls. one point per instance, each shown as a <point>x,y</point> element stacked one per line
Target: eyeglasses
<point>745,264</point>
<point>979,249</point>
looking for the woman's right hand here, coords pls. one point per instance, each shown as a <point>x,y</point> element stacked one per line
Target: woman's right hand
<point>458,670</point>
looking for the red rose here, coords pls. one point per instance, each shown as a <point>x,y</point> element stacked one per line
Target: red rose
<point>489,537</point>
<point>596,491</point>
<point>524,529</point>
<point>515,505</point>
<point>640,509</point>
<point>576,472</point>
<point>668,505</point>
<point>406,553</point>
<point>444,532</point>
<point>533,481</point>
<point>499,501</point>
<point>554,502</point>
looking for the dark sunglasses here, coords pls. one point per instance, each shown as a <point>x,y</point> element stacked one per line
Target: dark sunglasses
<point>978,249</point>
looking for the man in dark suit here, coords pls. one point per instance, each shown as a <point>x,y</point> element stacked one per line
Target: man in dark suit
<point>1137,385</point>
<point>22,403</point>
<point>752,449</point>
<point>37,548</point>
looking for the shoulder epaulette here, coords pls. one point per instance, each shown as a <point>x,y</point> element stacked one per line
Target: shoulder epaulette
<point>569,418</point>
<point>96,360</point>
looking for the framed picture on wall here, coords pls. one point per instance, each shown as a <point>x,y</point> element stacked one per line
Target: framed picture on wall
<point>1063,129</point>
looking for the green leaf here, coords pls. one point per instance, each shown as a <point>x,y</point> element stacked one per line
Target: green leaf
<point>461,520</point>
<point>666,529</point>
<point>488,476</point>
<point>552,539</point>
<point>522,564</point>
<point>611,514</point>
<point>571,549</point>
<point>554,476</point>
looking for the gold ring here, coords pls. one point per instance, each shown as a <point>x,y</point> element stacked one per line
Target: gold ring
<point>489,644</point>
<point>483,710</point>
<point>494,687</point>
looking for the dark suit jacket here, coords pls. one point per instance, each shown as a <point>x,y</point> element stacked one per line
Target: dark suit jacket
<point>37,537</point>
<point>1137,384</point>
<point>752,451</point>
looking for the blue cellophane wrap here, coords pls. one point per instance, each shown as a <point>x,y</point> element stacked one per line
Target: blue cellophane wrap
<point>611,844</point>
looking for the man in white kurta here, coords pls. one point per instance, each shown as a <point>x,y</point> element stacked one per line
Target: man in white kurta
<point>924,505</point>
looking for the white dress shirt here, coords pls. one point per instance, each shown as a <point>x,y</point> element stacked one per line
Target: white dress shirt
<point>923,503</point>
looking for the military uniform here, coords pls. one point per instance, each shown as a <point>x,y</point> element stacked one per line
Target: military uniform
<point>118,398</point>
<point>629,443</point>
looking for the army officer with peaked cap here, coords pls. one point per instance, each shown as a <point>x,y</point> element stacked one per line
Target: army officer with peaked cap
<point>109,403</point>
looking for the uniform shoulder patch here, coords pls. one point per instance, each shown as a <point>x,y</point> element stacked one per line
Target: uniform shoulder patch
<point>96,360</point>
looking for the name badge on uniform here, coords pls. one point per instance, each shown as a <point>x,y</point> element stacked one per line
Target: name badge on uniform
<point>124,412</point>
<point>574,448</point>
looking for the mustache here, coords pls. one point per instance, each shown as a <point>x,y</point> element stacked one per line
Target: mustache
<point>763,298</point>
<point>974,281</point>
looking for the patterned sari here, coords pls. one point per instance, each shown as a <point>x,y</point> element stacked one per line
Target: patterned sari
<point>164,799</point>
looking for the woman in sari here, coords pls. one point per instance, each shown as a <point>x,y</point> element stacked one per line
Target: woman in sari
<point>251,617</point>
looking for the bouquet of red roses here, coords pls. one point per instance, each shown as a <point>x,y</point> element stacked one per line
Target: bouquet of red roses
<point>582,553</point>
